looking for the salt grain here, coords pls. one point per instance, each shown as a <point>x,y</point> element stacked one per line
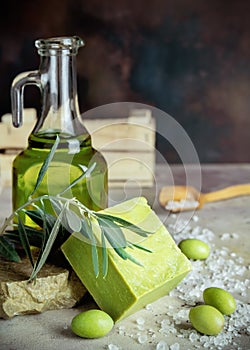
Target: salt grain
<point>151,331</point>
<point>193,337</point>
<point>142,339</point>
<point>121,330</point>
<point>195,218</point>
<point>113,347</point>
<point>225,236</point>
<point>175,346</point>
<point>162,345</point>
<point>140,327</point>
<point>165,323</point>
<point>148,307</point>
<point>140,321</point>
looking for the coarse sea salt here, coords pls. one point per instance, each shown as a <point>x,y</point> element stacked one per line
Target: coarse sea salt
<point>175,346</point>
<point>195,218</point>
<point>142,338</point>
<point>140,320</point>
<point>221,269</point>
<point>224,269</point>
<point>113,347</point>
<point>182,204</point>
<point>162,345</point>
<point>148,307</point>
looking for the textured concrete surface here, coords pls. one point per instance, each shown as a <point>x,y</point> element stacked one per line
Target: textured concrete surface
<point>51,330</point>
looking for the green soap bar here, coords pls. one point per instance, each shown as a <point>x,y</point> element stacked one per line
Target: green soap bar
<point>128,287</point>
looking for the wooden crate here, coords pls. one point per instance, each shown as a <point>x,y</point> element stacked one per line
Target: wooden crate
<point>16,138</point>
<point>128,145</point>
<point>12,141</point>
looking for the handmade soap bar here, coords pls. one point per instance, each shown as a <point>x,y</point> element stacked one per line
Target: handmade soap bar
<point>53,289</point>
<point>127,286</point>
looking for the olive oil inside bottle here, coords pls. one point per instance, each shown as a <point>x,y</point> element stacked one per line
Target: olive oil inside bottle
<point>62,171</point>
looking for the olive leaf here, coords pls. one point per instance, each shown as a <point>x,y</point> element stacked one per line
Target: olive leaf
<point>24,240</point>
<point>87,231</point>
<point>39,216</point>
<point>35,237</point>
<point>83,175</point>
<point>57,206</point>
<point>116,238</point>
<point>112,232</point>
<point>7,250</point>
<point>125,255</point>
<point>104,255</point>
<point>138,246</point>
<point>43,257</point>
<point>131,258</point>
<point>73,220</point>
<point>46,164</point>
<point>125,224</point>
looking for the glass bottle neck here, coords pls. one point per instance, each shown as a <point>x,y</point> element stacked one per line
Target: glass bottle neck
<point>60,111</point>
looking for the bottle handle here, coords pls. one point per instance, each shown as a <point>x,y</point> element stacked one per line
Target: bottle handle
<point>17,90</point>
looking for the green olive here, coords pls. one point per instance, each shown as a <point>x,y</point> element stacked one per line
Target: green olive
<point>194,248</point>
<point>92,324</point>
<point>220,299</point>
<point>206,319</point>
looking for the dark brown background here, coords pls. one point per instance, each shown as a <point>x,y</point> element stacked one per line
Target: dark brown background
<point>190,58</point>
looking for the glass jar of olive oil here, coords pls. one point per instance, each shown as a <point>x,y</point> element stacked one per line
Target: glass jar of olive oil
<point>59,119</point>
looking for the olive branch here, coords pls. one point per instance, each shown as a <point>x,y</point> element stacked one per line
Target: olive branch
<point>70,215</point>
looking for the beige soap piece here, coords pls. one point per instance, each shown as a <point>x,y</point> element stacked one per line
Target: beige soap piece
<point>54,288</point>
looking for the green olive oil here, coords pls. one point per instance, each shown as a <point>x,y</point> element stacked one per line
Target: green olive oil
<point>72,157</point>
